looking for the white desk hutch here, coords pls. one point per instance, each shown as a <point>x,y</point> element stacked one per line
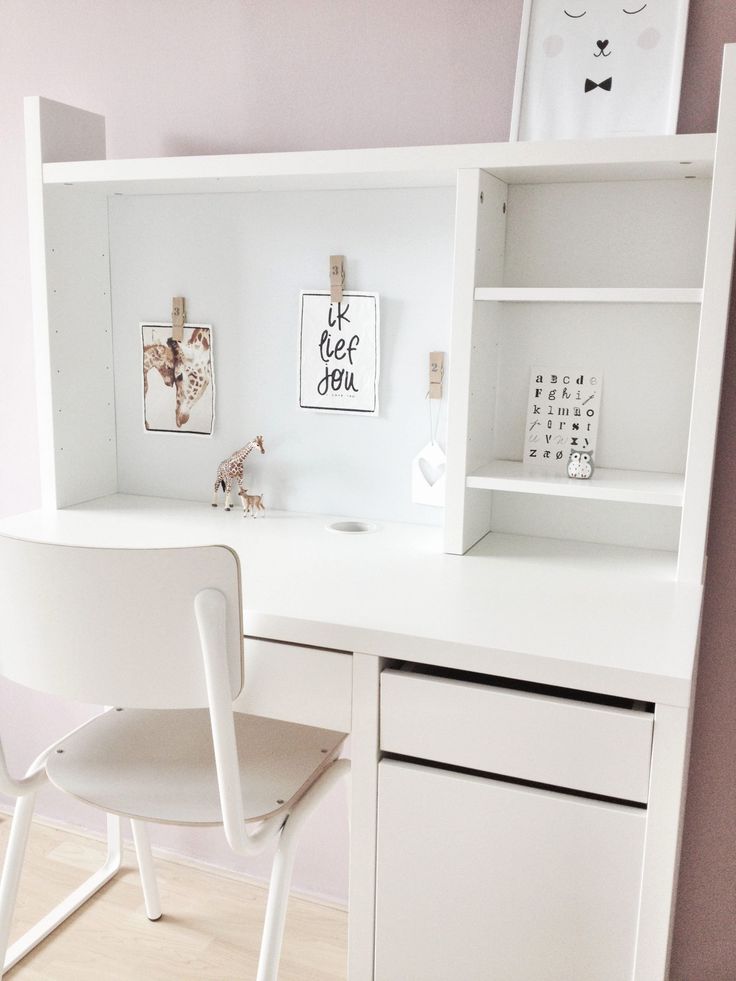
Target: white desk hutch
<point>518,699</point>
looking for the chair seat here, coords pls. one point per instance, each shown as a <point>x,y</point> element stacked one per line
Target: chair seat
<point>159,765</point>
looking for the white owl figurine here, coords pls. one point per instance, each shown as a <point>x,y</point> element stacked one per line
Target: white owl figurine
<point>580,465</point>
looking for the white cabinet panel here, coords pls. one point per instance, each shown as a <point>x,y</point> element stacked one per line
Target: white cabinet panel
<point>479,880</point>
<point>297,684</point>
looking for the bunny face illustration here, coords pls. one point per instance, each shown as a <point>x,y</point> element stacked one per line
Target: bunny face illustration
<point>601,68</point>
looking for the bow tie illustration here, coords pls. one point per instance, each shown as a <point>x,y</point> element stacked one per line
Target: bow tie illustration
<point>606,85</point>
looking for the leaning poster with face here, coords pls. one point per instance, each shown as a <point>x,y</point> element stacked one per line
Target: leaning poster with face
<point>339,353</point>
<point>178,379</point>
<point>592,68</point>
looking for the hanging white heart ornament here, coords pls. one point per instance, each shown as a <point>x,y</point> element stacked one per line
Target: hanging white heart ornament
<point>430,472</point>
<point>428,476</point>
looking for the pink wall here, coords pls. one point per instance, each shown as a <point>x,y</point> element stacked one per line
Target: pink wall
<point>193,76</point>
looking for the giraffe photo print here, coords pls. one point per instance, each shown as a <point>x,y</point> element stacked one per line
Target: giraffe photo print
<point>591,68</point>
<point>178,380</point>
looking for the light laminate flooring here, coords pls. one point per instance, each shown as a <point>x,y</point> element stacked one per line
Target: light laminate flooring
<point>210,930</point>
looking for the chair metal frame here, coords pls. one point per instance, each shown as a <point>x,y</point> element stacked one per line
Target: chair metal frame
<point>210,612</point>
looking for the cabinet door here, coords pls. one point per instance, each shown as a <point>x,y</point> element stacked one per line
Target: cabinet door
<point>480,880</point>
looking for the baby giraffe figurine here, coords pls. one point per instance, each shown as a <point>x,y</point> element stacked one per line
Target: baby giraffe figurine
<point>251,502</point>
<point>231,470</point>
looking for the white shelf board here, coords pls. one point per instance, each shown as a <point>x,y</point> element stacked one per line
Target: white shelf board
<point>514,294</point>
<point>629,486</point>
<point>625,158</point>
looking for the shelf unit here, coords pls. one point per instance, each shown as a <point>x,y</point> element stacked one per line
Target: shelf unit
<point>589,252</point>
<point>627,274</point>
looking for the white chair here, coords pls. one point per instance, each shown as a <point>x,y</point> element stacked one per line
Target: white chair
<point>158,634</point>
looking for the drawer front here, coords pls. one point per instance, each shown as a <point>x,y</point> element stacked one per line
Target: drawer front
<point>577,745</point>
<point>297,684</point>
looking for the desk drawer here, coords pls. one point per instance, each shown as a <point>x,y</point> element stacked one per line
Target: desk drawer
<point>545,739</point>
<point>297,684</point>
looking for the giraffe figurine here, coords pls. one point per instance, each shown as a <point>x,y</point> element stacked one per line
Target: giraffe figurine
<point>231,470</point>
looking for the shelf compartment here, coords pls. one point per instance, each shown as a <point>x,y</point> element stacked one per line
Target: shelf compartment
<point>514,294</point>
<point>628,486</point>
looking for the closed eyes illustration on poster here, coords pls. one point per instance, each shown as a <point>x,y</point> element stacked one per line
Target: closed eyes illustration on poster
<point>601,68</point>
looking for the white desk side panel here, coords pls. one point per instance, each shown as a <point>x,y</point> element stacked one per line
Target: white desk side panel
<point>71,310</point>
<point>80,345</point>
<point>670,751</point>
<point>364,755</point>
<point>480,233</point>
<point>241,261</point>
<point>713,328</point>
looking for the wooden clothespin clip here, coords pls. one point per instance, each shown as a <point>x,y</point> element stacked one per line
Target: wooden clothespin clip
<point>178,316</point>
<point>337,277</point>
<point>436,373</point>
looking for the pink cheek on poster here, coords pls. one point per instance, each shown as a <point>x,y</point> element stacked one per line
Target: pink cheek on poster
<point>649,39</point>
<point>553,45</point>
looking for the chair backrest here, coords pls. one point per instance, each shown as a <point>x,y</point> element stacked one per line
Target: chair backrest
<point>114,626</point>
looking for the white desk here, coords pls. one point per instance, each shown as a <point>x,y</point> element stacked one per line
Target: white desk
<point>605,620</point>
<point>611,620</point>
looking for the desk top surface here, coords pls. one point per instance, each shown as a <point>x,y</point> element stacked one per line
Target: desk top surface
<point>591,617</point>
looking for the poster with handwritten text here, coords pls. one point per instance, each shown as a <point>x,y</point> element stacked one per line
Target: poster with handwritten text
<point>562,416</point>
<point>339,354</point>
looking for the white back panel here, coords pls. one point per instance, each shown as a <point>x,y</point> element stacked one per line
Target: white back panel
<point>627,233</point>
<point>114,626</point>
<point>241,261</point>
<point>646,354</point>
<point>606,522</point>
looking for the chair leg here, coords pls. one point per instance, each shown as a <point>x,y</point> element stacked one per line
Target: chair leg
<point>278,901</point>
<point>145,865</point>
<point>283,866</point>
<point>11,877</point>
<point>12,869</point>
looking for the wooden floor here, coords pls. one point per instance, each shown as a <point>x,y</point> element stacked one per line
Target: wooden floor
<point>210,930</point>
